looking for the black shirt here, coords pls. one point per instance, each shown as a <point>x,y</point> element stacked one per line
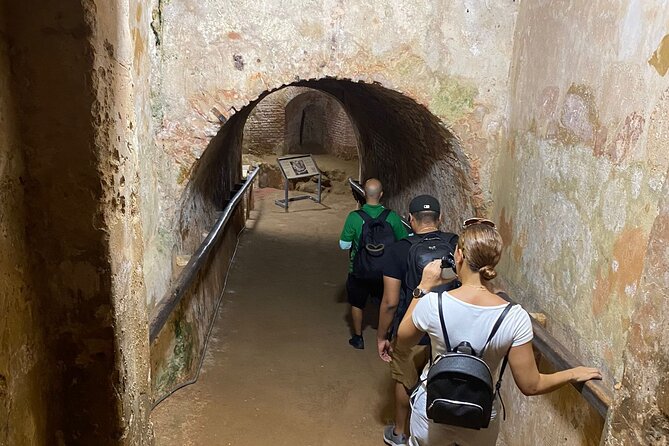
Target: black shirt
<point>395,266</point>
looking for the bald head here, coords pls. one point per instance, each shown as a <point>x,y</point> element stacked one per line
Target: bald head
<point>373,191</point>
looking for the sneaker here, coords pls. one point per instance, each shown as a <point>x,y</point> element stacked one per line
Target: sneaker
<point>357,342</point>
<point>389,437</point>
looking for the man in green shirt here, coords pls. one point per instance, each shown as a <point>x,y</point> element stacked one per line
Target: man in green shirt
<point>358,289</point>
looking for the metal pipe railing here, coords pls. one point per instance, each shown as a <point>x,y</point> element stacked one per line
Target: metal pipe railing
<point>163,310</point>
<point>594,392</point>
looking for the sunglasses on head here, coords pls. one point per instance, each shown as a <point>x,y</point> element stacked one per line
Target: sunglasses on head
<point>478,221</point>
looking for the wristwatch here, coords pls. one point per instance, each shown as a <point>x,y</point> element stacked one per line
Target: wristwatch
<point>418,293</point>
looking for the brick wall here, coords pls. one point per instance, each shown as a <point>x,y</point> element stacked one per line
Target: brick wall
<point>300,120</point>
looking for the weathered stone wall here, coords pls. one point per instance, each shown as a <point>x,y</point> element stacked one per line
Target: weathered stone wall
<point>641,412</point>
<point>69,262</point>
<point>178,350</point>
<point>179,346</point>
<point>72,86</point>
<point>578,184</point>
<point>24,370</point>
<point>121,76</point>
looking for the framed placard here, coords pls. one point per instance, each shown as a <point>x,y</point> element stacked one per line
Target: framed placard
<point>298,166</point>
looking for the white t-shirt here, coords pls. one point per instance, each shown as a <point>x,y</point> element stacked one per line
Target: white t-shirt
<point>472,323</point>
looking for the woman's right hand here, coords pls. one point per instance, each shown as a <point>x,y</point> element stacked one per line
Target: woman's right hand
<point>583,374</point>
<point>431,277</point>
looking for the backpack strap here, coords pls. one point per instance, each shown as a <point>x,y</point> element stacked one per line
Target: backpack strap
<point>367,218</point>
<point>384,215</point>
<point>364,215</point>
<point>498,385</point>
<point>505,361</point>
<point>443,326</point>
<point>495,327</point>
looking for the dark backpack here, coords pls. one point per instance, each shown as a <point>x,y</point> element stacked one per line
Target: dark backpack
<point>423,250</point>
<point>460,389</point>
<point>376,235</point>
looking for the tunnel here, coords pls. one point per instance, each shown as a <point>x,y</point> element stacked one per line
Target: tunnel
<point>395,140</point>
<point>140,248</point>
<point>399,142</point>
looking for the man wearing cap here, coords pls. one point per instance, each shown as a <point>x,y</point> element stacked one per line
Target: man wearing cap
<point>425,219</point>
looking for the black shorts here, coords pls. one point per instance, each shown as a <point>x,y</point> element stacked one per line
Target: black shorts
<point>358,290</point>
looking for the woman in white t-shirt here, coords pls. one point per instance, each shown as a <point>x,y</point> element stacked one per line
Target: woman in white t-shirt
<point>469,314</point>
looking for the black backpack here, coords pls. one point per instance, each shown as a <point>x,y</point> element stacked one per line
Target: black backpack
<point>376,235</point>
<point>459,383</point>
<point>423,250</point>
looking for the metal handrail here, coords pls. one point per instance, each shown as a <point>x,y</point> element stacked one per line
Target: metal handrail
<point>594,392</point>
<point>356,188</point>
<point>197,260</point>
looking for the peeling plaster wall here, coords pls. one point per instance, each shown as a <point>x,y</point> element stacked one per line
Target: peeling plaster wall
<point>578,184</point>
<point>227,55</point>
<point>23,355</point>
<point>641,410</point>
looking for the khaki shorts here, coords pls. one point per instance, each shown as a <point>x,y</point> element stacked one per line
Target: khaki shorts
<point>406,366</point>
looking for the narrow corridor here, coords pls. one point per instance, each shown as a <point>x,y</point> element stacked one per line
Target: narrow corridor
<point>278,369</point>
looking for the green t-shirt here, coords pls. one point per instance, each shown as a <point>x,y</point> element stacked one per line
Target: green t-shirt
<point>353,227</point>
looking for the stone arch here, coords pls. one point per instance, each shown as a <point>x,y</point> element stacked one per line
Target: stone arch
<point>399,141</point>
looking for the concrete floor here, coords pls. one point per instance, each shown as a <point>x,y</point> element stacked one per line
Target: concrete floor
<point>279,370</point>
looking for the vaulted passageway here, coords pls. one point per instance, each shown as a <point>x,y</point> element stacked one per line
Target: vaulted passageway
<point>114,170</point>
<point>398,141</point>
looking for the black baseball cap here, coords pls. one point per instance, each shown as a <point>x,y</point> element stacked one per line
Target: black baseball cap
<point>424,203</point>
